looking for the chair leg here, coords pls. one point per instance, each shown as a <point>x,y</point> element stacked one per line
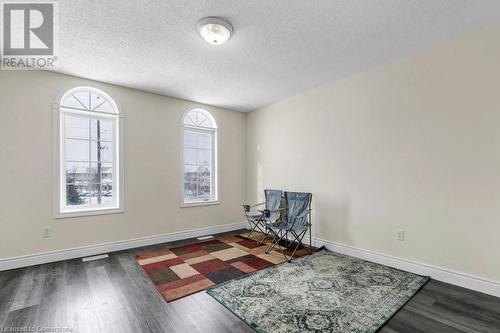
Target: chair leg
<point>286,239</point>
<point>255,227</point>
<point>310,240</point>
<point>298,238</point>
<point>252,228</point>
<point>284,233</point>
<point>264,232</point>
<point>276,241</point>
<point>273,241</point>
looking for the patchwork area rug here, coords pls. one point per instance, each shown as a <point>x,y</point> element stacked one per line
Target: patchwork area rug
<point>323,292</point>
<point>187,269</point>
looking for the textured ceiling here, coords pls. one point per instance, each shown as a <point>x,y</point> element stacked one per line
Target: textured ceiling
<point>280,47</point>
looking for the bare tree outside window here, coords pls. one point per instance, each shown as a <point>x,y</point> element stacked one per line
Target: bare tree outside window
<point>89,158</point>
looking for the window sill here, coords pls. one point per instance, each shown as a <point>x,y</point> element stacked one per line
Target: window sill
<point>200,203</point>
<point>82,213</point>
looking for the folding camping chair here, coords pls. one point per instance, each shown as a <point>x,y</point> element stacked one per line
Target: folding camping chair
<point>270,214</point>
<point>296,222</point>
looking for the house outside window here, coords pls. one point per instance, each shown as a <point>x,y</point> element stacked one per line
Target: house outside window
<point>199,158</point>
<point>89,154</point>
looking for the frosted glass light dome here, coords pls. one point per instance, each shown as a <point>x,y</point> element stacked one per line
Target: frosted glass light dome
<point>215,30</point>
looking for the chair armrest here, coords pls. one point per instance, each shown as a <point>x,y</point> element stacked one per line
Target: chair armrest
<point>253,205</point>
<point>267,212</point>
<point>272,210</point>
<point>248,207</point>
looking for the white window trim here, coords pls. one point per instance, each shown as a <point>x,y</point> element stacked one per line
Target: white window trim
<point>58,163</point>
<point>215,150</point>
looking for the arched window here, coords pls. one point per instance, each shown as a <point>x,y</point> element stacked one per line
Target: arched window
<point>89,160</point>
<point>199,158</point>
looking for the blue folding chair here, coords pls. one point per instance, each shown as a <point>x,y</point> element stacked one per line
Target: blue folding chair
<point>271,213</point>
<point>296,222</point>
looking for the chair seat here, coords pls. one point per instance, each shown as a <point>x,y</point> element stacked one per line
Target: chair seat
<point>270,219</point>
<point>278,225</point>
<point>300,228</point>
<point>285,225</point>
<point>254,215</point>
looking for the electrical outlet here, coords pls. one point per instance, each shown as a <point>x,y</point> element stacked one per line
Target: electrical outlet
<point>46,232</point>
<point>400,234</point>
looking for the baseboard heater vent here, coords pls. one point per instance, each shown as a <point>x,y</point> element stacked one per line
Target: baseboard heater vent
<point>101,256</point>
<point>205,237</point>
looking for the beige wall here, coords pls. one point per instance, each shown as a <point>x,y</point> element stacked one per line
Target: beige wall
<point>413,144</point>
<point>152,165</point>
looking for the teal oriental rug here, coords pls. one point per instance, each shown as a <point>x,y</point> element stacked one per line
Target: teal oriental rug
<point>322,292</point>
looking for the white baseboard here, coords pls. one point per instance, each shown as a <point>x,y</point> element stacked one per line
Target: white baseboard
<point>460,279</point>
<point>91,250</point>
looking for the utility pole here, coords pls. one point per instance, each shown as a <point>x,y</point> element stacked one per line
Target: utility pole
<point>99,162</point>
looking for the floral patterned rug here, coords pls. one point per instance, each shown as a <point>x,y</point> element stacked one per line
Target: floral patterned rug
<point>322,292</point>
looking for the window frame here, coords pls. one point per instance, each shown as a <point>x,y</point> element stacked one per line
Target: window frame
<point>215,155</point>
<point>59,174</point>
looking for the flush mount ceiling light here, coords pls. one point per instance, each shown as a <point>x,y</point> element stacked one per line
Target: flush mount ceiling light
<point>215,30</point>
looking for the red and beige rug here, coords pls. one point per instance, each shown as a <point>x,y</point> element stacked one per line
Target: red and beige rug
<point>187,269</point>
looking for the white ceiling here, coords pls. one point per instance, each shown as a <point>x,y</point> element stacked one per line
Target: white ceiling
<point>280,47</point>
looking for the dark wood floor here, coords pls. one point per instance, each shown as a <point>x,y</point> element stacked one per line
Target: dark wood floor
<point>113,295</point>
